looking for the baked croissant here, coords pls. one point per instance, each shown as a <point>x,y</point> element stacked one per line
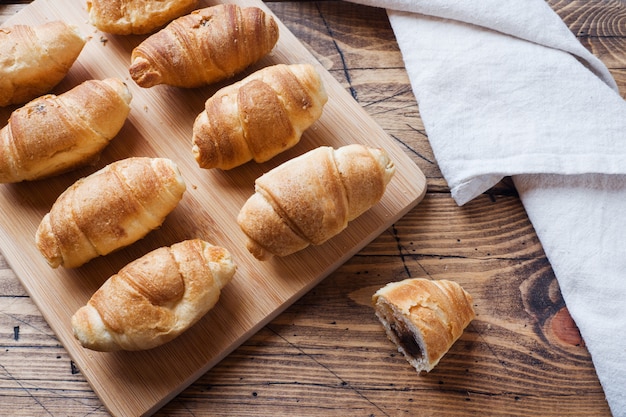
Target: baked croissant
<point>203,47</point>
<point>258,117</point>
<point>34,59</point>
<point>423,318</point>
<point>53,134</point>
<point>311,198</point>
<point>109,209</point>
<point>135,17</point>
<point>155,298</point>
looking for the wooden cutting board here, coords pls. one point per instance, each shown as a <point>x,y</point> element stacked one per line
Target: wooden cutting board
<point>160,124</point>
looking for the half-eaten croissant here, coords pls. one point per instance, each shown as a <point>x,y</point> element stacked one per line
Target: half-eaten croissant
<point>423,317</point>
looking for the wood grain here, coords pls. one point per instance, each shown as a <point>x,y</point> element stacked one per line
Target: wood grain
<point>326,354</point>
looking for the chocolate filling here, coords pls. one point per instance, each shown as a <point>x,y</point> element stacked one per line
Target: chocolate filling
<point>406,340</point>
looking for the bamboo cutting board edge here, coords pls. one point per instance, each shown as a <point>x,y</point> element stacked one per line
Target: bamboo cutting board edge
<point>131,384</point>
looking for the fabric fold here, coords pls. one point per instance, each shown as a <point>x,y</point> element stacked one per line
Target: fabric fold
<point>496,104</point>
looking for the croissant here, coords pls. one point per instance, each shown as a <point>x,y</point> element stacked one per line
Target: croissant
<point>155,298</point>
<point>311,198</point>
<point>258,117</point>
<point>203,47</point>
<point>34,59</point>
<point>109,209</point>
<point>135,17</point>
<point>53,134</point>
<point>423,318</point>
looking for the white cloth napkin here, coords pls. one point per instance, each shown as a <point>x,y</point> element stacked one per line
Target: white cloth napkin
<point>505,89</point>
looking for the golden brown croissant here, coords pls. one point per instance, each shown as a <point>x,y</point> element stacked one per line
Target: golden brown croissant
<point>34,59</point>
<point>109,209</point>
<point>423,318</point>
<point>258,117</point>
<point>203,47</point>
<point>53,134</point>
<point>155,298</point>
<point>311,198</point>
<point>138,17</point>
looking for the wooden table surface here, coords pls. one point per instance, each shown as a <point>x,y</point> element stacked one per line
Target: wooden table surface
<point>327,354</point>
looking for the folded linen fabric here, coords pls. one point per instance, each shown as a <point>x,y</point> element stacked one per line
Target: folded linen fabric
<point>505,89</point>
